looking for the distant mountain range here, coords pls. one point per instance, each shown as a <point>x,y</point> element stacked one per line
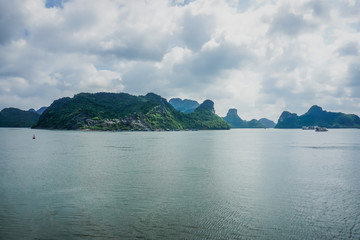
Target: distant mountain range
<point>236,122</point>
<point>122,111</point>
<point>13,117</point>
<point>316,116</point>
<point>232,118</point>
<point>185,106</point>
<point>39,111</point>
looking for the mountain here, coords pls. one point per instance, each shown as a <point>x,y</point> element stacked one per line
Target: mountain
<point>236,122</point>
<point>13,117</point>
<point>267,123</point>
<point>316,116</point>
<point>185,106</point>
<point>39,111</point>
<point>122,111</point>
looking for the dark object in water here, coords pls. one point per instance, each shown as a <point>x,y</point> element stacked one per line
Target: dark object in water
<point>320,129</point>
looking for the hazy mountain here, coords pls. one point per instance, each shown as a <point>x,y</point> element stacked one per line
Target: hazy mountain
<point>39,111</point>
<point>267,123</point>
<point>236,122</point>
<point>185,106</point>
<point>13,117</point>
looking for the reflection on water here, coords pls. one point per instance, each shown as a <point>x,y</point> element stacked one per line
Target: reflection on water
<point>237,184</point>
<point>354,147</point>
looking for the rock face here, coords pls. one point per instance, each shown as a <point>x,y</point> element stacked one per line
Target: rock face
<point>122,111</point>
<point>288,120</point>
<point>235,121</point>
<point>232,113</point>
<point>207,105</point>
<point>13,117</point>
<point>185,106</point>
<point>316,116</point>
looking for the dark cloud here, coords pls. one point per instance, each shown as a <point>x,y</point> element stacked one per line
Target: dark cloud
<point>139,52</point>
<point>288,61</point>
<point>207,68</point>
<point>77,34</point>
<point>354,78</point>
<point>349,49</point>
<point>195,73</point>
<point>356,26</point>
<point>12,22</point>
<point>56,39</point>
<point>214,60</point>
<point>134,46</point>
<point>319,8</point>
<point>197,30</point>
<point>19,60</point>
<point>243,5</point>
<point>348,8</point>
<point>290,24</point>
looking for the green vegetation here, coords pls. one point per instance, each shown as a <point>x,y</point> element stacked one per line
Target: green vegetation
<point>122,111</point>
<point>13,117</point>
<point>316,116</point>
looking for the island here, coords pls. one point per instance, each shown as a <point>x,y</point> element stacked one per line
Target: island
<point>235,121</point>
<point>122,111</point>
<point>316,116</point>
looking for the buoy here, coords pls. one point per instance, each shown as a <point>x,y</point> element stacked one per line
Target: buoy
<point>34,136</point>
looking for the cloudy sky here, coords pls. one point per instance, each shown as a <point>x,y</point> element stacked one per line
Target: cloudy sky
<point>259,56</point>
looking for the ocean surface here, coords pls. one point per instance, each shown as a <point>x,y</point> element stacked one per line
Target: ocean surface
<point>235,184</point>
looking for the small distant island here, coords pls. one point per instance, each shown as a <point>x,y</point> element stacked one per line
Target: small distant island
<point>316,116</point>
<point>235,121</point>
<point>122,111</point>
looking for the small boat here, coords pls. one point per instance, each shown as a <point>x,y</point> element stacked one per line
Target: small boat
<point>320,129</point>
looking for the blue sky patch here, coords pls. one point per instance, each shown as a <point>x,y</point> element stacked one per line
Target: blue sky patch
<point>55,3</point>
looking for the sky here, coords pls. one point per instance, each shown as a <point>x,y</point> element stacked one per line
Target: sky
<point>259,56</point>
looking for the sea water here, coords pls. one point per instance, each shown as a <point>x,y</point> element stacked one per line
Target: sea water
<point>235,184</point>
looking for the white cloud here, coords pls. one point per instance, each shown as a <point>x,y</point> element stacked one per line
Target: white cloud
<point>261,57</point>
